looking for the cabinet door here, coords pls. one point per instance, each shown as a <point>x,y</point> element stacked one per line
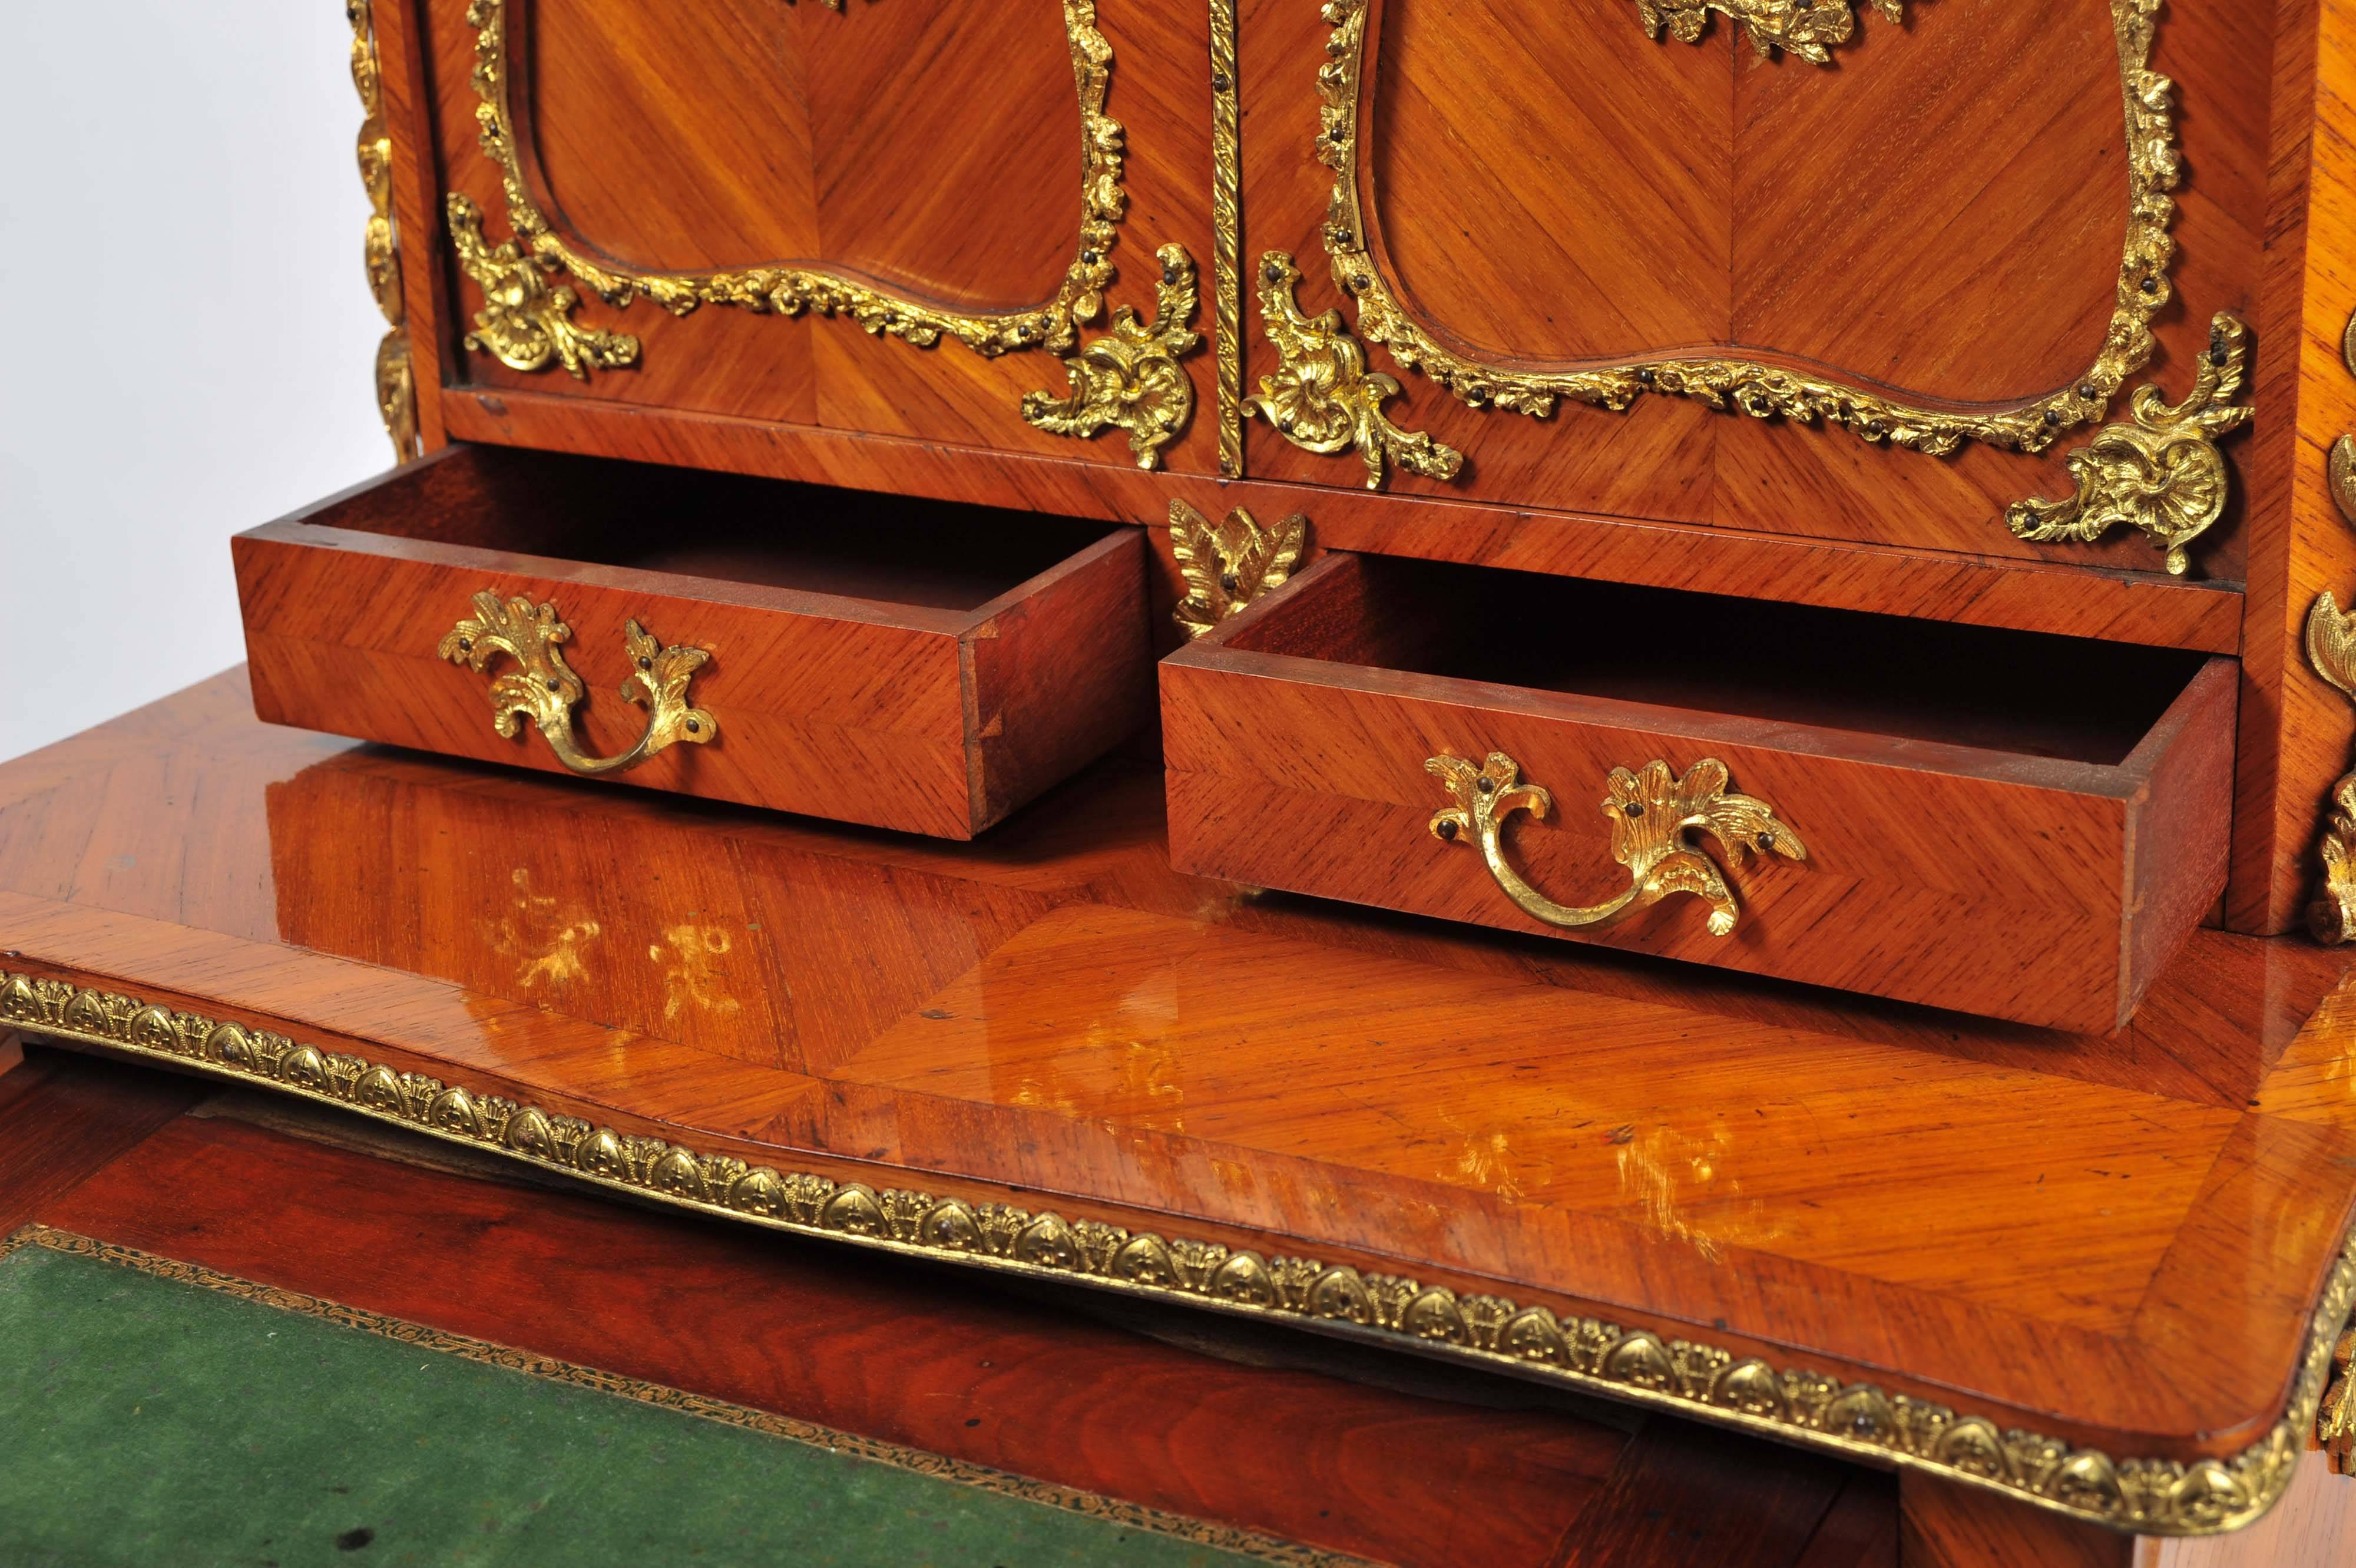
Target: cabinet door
<point>872,216</point>
<point>1873,275</point>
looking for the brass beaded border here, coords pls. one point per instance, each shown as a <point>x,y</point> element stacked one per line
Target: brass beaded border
<point>1857,1422</point>
<point>915,1461</point>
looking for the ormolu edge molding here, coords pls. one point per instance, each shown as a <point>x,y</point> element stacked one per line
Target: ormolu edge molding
<point>2163,474</point>
<point>1228,565</point>
<point>1807,27</point>
<point>1650,811</point>
<point>396,386</point>
<point>1130,377</point>
<point>1226,236</point>
<point>1747,386</point>
<point>785,290</point>
<point>543,688</point>
<point>917,1461</point>
<point>1706,1382</point>
<point>2332,650</point>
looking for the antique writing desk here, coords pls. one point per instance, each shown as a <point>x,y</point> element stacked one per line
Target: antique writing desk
<point>1118,523</point>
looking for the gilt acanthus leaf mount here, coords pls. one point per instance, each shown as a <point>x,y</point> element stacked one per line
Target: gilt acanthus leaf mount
<point>1228,565</point>
<point>1809,29</point>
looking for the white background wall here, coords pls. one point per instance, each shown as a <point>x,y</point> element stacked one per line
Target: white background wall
<point>189,336</point>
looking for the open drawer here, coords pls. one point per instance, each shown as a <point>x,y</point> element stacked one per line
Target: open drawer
<point>873,659</point>
<point>2014,824</point>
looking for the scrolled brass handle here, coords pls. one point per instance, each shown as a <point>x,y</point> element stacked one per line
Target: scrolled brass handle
<point>1650,811</point>
<point>542,688</point>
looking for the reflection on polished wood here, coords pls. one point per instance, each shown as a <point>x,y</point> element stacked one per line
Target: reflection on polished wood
<point>2114,1239</point>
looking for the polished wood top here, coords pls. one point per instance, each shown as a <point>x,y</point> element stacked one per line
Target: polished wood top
<point>2117,1240</point>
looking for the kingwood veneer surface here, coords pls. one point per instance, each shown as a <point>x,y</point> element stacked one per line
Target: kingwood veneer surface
<point>2115,1240</point>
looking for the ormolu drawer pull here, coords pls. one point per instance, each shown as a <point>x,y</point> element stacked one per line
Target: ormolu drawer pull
<point>1649,810</point>
<point>543,688</point>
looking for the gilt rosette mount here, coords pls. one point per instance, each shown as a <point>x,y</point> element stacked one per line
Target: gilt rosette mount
<point>1651,812</point>
<point>544,690</point>
<point>1228,565</point>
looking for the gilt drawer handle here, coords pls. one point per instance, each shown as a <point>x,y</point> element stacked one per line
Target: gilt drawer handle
<point>1649,810</point>
<point>543,688</point>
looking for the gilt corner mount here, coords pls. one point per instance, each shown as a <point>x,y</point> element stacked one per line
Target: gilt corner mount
<point>1322,398</point>
<point>787,289</point>
<point>1757,389</point>
<point>2163,474</point>
<point>1130,377</point>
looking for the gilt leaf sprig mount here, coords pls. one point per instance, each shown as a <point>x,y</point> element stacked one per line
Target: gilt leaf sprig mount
<point>1228,565</point>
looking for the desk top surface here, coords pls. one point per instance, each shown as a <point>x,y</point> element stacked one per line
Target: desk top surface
<point>1894,1232</point>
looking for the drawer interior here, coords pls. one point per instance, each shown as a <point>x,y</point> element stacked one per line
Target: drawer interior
<point>723,527</point>
<point>2027,692</point>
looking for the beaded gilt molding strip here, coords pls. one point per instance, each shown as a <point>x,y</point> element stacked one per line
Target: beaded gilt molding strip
<point>1855,1421</point>
<point>915,1461</point>
<point>786,290</point>
<point>1760,389</point>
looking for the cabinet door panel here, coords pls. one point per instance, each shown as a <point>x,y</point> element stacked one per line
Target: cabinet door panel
<point>1688,280</point>
<point>887,218</point>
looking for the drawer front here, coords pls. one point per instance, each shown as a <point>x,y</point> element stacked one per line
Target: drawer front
<point>901,715</point>
<point>2044,892</point>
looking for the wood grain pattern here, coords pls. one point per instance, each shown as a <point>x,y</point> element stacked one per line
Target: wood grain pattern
<point>2113,1237</point>
<point>2128,607</point>
<point>874,1346</point>
<point>2295,730</point>
<point>2011,874</point>
<point>1670,461</point>
<point>1943,1525</point>
<point>68,1119</point>
<point>1756,1510</point>
<point>956,684</point>
<point>855,107</point>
